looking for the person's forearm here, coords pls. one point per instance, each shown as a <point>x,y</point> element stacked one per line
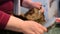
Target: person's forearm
<point>14,24</point>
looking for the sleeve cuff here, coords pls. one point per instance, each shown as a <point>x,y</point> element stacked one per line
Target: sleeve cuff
<point>4,19</point>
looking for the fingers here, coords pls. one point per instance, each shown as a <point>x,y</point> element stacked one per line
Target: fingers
<point>31,27</point>
<point>31,4</point>
<point>36,5</point>
<point>57,19</point>
<point>38,30</point>
<point>42,27</point>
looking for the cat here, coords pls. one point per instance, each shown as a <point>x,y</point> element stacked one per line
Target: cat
<point>34,14</point>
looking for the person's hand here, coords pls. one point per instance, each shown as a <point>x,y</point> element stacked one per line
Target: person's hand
<point>58,20</point>
<point>31,27</point>
<point>27,27</point>
<point>30,4</point>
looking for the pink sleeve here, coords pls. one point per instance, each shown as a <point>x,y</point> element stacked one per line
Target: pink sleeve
<point>3,19</point>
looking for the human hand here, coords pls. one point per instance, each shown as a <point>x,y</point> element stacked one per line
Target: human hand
<point>27,27</point>
<point>30,4</point>
<point>31,27</point>
<point>58,20</point>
